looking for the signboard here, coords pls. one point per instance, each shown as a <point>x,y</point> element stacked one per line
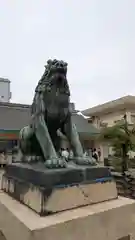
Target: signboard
<point>9,134</point>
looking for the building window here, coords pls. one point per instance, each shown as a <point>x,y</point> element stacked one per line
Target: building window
<point>90,120</point>
<point>117,121</point>
<point>103,124</point>
<point>133,118</point>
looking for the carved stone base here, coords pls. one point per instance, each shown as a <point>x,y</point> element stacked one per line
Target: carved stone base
<point>50,191</point>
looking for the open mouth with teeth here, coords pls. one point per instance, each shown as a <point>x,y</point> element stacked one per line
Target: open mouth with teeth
<point>58,80</point>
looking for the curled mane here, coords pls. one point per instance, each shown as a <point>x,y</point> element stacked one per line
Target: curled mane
<point>52,67</point>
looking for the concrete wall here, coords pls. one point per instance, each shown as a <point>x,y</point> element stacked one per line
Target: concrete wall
<point>4,90</point>
<point>112,118</point>
<point>109,119</point>
<point>110,220</point>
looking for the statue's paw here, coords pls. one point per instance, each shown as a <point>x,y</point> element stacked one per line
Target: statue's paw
<point>56,163</point>
<point>85,161</point>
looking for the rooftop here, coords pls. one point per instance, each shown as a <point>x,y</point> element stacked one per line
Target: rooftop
<point>119,103</point>
<point>4,80</point>
<point>14,116</point>
<point>14,105</point>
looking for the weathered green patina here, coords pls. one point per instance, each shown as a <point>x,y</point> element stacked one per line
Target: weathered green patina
<point>50,112</point>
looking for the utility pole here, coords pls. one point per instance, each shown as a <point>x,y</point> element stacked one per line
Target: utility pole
<point>124,148</point>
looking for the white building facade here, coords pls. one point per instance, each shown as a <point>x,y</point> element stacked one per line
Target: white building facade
<point>108,114</point>
<point>5,93</point>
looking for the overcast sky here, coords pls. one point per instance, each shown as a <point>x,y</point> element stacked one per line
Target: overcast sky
<point>95,37</point>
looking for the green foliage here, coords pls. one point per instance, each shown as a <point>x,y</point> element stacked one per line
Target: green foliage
<point>118,135</point>
<point>122,137</point>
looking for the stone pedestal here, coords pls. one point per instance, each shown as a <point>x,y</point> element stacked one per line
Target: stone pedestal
<point>111,220</point>
<point>51,191</point>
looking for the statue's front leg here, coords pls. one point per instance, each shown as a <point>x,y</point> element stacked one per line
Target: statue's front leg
<point>51,158</point>
<point>73,137</point>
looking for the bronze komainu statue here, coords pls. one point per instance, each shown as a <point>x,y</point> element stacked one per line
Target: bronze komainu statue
<point>49,113</point>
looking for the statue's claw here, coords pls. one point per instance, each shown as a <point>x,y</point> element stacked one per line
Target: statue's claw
<point>56,163</point>
<point>85,161</point>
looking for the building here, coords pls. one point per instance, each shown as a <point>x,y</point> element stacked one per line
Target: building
<point>14,116</point>
<point>5,93</point>
<point>109,113</point>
